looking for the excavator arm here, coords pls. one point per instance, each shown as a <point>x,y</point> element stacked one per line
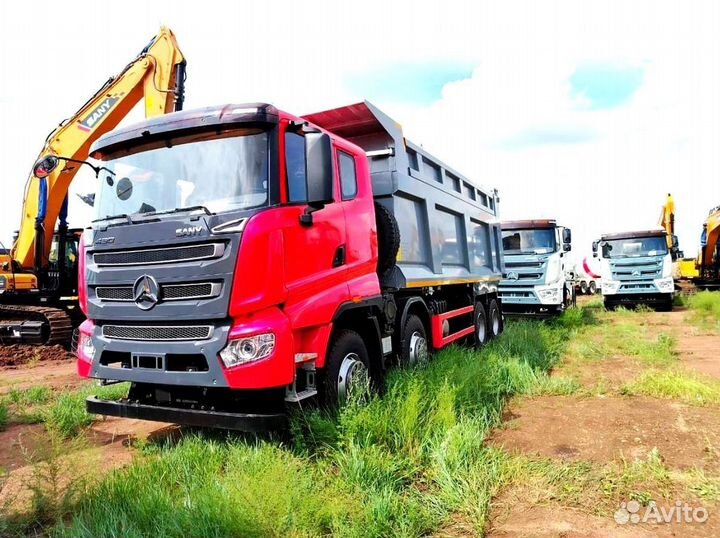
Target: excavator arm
<point>157,74</point>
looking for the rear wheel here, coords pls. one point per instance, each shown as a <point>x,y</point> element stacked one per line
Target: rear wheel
<point>583,287</point>
<point>414,345</point>
<point>347,368</point>
<point>481,325</point>
<point>495,323</point>
<point>592,288</point>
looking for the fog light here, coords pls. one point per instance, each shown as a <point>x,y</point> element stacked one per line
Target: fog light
<point>86,347</point>
<point>248,349</point>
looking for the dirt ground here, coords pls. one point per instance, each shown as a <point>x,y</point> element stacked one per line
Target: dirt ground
<point>26,451</point>
<point>605,427</point>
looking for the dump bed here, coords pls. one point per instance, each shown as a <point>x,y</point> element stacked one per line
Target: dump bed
<point>449,232</point>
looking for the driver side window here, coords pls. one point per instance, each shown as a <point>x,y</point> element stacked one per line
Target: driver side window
<point>295,167</point>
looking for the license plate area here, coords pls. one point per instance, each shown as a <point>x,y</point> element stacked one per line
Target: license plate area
<point>149,361</point>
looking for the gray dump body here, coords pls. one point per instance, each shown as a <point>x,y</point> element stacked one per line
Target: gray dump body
<point>449,231</point>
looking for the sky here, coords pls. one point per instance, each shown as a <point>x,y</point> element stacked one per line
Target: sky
<point>586,112</point>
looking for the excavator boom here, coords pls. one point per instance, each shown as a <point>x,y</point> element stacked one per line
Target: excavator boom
<point>157,74</point>
<point>36,293</point>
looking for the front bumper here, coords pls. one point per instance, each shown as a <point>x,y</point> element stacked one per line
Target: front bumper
<point>638,287</point>
<point>246,422</point>
<point>532,296</point>
<point>276,370</point>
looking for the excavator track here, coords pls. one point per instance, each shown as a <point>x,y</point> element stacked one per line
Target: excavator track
<point>42,325</point>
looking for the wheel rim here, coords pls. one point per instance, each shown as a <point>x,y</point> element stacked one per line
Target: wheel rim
<point>353,380</point>
<point>480,329</point>
<point>495,322</point>
<point>417,353</point>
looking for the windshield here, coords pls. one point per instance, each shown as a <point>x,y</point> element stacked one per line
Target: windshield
<point>228,171</point>
<point>533,241</point>
<point>635,247</point>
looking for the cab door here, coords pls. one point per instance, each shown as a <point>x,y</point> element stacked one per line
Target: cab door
<point>315,253</point>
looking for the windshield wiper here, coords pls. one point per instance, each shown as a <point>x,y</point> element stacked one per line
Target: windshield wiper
<point>113,217</point>
<point>182,210</point>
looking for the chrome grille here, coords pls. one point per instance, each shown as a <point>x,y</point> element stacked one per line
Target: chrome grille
<point>160,255</point>
<point>168,292</point>
<point>157,332</point>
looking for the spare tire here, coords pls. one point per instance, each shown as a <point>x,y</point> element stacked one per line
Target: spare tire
<point>388,238</point>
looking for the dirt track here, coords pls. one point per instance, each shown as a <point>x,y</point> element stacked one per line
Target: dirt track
<point>603,426</point>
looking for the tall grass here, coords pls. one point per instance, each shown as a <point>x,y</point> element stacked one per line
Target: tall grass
<point>676,384</point>
<point>705,309</point>
<point>397,465</point>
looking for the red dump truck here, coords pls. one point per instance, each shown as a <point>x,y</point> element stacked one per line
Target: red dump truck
<point>244,259</point>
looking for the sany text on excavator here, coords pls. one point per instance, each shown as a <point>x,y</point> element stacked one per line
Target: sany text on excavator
<point>38,278</point>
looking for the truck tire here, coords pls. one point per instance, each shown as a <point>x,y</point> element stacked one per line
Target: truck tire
<point>609,305</point>
<point>495,321</point>
<point>414,344</point>
<point>583,288</point>
<point>388,238</point>
<point>347,369</point>
<point>481,325</point>
<point>666,305</point>
<point>592,288</point>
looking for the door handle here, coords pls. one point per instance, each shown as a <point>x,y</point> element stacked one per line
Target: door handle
<point>339,258</point>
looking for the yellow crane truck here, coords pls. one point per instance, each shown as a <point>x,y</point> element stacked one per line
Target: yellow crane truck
<point>38,276</point>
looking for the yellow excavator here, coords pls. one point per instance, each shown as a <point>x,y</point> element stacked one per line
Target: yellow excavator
<point>708,262</point>
<point>683,268</point>
<point>38,276</point>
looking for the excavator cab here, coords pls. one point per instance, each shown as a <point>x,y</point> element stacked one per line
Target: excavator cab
<point>61,276</point>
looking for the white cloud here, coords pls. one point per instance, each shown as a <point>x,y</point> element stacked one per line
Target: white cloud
<point>299,55</point>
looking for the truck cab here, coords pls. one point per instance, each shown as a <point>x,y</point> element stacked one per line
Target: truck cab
<point>636,268</point>
<point>536,278</point>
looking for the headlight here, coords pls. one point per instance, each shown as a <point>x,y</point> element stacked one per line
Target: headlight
<point>610,286</point>
<point>86,347</point>
<point>549,294</point>
<point>248,349</point>
<point>665,285</point>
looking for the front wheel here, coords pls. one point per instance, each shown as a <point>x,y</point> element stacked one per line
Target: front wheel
<point>347,368</point>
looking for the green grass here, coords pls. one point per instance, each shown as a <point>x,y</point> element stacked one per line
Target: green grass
<point>705,309</point>
<point>680,385</point>
<point>4,415</point>
<point>623,335</point>
<point>60,411</point>
<point>399,465</point>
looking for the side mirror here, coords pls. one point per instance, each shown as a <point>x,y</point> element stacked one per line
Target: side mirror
<point>567,247</point>
<point>595,249</point>
<point>567,235</point>
<point>319,176</point>
<point>44,167</point>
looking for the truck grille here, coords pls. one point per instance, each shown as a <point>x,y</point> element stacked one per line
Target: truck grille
<point>157,332</point>
<point>160,255</point>
<point>168,292</point>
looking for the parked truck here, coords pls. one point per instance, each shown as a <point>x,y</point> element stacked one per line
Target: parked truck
<point>244,259</point>
<point>537,279</point>
<point>636,268</point>
<point>587,279</point>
